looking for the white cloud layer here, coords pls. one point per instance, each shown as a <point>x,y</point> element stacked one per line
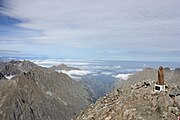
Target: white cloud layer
<point>75,74</point>
<point>122,76</point>
<point>106,73</point>
<point>82,64</point>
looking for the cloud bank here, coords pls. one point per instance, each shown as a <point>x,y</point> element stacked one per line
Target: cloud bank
<point>75,74</point>
<point>122,76</point>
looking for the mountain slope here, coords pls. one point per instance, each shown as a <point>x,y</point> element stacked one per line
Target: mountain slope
<point>21,98</point>
<point>176,76</point>
<point>135,99</point>
<point>137,102</point>
<point>9,69</point>
<point>94,87</point>
<point>41,93</point>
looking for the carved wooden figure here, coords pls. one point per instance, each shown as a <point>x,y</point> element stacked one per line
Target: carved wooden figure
<point>161,75</point>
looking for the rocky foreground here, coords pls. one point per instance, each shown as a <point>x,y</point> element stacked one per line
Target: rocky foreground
<point>136,102</point>
<point>136,99</point>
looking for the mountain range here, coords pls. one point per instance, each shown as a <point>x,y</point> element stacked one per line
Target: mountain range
<point>34,92</point>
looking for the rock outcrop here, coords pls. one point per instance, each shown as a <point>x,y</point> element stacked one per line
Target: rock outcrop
<point>26,66</point>
<point>16,67</point>
<point>135,102</point>
<point>136,99</point>
<point>2,76</point>
<point>10,69</point>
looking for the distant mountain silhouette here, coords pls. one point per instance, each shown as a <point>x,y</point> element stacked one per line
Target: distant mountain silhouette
<point>151,75</point>
<point>63,67</point>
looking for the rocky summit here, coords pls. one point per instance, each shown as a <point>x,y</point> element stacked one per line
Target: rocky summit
<point>135,102</point>
<point>138,100</point>
<point>37,93</point>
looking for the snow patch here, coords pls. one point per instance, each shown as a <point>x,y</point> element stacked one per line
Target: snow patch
<point>10,77</point>
<point>75,72</point>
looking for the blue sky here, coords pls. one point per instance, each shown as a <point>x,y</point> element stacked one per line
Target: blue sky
<point>91,29</point>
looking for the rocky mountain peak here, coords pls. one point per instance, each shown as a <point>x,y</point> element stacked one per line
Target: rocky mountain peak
<point>15,67</point>
<point>136,102</point>
<point>137,99</point>
<point>40,93</point>
<point>26,65</point>
<point>63,67</point>
<point>9,69</point>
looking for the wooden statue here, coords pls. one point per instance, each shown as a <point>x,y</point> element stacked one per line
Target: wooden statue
<point>161,75</point>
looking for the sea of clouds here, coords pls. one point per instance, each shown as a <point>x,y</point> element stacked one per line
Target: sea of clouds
<point>99,69</point>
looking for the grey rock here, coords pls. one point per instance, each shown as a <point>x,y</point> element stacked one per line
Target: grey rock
<point>2,76</point>
<point>40,93</point>
<point>137,100</point>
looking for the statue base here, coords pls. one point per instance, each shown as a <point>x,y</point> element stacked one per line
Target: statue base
<point>159,88</point>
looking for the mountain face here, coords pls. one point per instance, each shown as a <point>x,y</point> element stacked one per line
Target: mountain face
<point>137,100</point>
<point>16,67</point>
<point>176,76</point>
<point>149,74</point>
<point>9,69</point>
<point>63,67</point>
<point>2,76</point>
<point>40,93</point>
<point>94,87</point>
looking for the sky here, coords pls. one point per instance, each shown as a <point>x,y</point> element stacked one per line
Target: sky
<point>142,30</point>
